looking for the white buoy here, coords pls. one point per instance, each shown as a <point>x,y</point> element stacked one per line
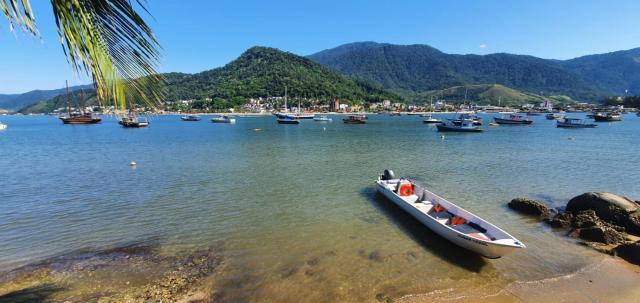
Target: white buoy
<point>442,137</point>
<point>133,163</point>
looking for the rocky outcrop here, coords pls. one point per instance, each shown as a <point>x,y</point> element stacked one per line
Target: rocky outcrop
<point>585,218</point>
<point>629,252</point>
<point>562,220</point>
<point>529,207</point>
<point>609,207</point>
<point>601,234</point>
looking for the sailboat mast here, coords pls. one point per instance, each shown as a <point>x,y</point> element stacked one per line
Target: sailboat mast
<point>285,98</point>
<point>68,98</point>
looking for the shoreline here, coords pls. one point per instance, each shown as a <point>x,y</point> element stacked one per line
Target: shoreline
<point>610,280</point>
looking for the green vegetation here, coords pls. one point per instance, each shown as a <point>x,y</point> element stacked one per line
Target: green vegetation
<point>264,72</point>
<point>411,69</point>
<point>259,72</point>
<point>488,94</point>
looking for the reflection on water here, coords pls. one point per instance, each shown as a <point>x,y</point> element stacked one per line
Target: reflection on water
<point>294,206</point>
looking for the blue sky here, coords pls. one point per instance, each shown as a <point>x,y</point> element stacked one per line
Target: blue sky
<point>198,35</point>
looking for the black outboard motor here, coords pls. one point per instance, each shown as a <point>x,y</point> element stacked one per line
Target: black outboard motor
<point>388,175</point>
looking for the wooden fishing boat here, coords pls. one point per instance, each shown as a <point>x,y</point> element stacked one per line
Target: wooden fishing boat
<point>223,119</point>
<point>574,123</point>
<point>355,119</point>
<point>446,219</point>
<point>465,126</point>
<point>512,119</point>
<point>80,118</point>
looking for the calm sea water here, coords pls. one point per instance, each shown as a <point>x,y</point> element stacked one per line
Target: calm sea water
<point>293,207</point>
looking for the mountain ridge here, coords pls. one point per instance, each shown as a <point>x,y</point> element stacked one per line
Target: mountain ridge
<point>419,68</point>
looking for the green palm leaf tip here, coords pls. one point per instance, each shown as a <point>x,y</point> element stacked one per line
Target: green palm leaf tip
<point>109,41</point>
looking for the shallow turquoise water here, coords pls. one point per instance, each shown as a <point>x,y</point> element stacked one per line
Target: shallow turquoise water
<point>278,197</point>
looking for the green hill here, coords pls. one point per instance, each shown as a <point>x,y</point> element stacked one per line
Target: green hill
<point>488,94</point>
<point>88,98</point>
<point>408,69</point>
<point>264,72</point>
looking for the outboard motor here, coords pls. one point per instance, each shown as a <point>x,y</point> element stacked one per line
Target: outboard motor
<point>388,175</point>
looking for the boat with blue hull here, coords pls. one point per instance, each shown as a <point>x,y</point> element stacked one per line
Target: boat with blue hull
<point>512,119</point>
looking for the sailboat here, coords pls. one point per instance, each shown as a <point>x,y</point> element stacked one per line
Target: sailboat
<point>77,117</point>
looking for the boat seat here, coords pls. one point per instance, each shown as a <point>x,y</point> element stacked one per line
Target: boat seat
<point>410,199</point>
<point>442,217</point>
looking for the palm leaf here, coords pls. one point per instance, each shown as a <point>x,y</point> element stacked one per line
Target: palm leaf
<point>108,40</point>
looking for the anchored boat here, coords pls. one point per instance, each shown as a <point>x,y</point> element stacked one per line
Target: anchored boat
<point>607,117</point>
<point>465,126</point>
<point>223,119</point>
<point>355,119</point>
<point>322,118</point>
<point>554,116</point>
<point>190,118</point>
<point>574,123</point>
<point>512,119</point>
<point>447,219</point>
<point>3,126</point>
<point>133,122</point>
<point>288,120</point>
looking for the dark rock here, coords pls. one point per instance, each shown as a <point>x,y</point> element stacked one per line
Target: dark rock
<point>585,218</point>
<point>609,207</point>
<point>632,225</point>
<point>601,234</point>
<point>629,252</point>
<point>560,220</point>
<point>529,207</point>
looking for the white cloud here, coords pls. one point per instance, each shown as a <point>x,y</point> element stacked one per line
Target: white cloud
<point>482,45</point>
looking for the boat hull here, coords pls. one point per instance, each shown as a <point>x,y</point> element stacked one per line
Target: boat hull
<point>223,120</point>
<point>434,121</point>
<point>457,129</point>
<point>492,251</point>
<point>509,121</point>
<point>607,119</point>
<point>81,120</point>
<point>288,121</point>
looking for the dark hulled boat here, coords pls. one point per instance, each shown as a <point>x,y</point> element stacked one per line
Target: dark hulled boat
<point>133,122</point>
<point>355,119</point>
<point>607,117</point>
<point>77,118</point>
<point>512,119</point>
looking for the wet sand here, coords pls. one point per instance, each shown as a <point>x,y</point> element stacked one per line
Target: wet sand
<point>611,280</point>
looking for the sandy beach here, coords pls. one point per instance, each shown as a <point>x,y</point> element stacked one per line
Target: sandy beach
<point>611,280</point>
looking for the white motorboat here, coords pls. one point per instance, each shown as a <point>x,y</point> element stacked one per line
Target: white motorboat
<point>223,119</point>
<point>447,219</point>
<point>322,118</point>
<point>3,126</point>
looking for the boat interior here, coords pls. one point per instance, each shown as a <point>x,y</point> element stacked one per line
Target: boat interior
<point>448,214</point>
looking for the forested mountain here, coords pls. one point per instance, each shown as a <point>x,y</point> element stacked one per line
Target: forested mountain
<point>409,69</point>
<point>264,72</point>
<point>15,102</point>
<point>77,97</point>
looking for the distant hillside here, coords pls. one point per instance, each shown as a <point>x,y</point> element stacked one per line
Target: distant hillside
<point>14,102</point>
<point>487,94</point>
<point>612,72</point>
<point>86,97</point>
<point>410,69</point>
<point>264,72</point>
<point>258,72</point>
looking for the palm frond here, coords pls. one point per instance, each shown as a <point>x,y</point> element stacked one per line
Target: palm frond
<point>109,41</point>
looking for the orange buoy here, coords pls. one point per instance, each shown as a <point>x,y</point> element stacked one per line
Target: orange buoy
<point>406,189</point>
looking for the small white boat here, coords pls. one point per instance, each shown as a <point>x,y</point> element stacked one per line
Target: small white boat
<point>3,126</point>
<point>322,118</point>
<point>223,119</point>
<point>190,118</point>
<point>430,119</point>
<point>447,219</point>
